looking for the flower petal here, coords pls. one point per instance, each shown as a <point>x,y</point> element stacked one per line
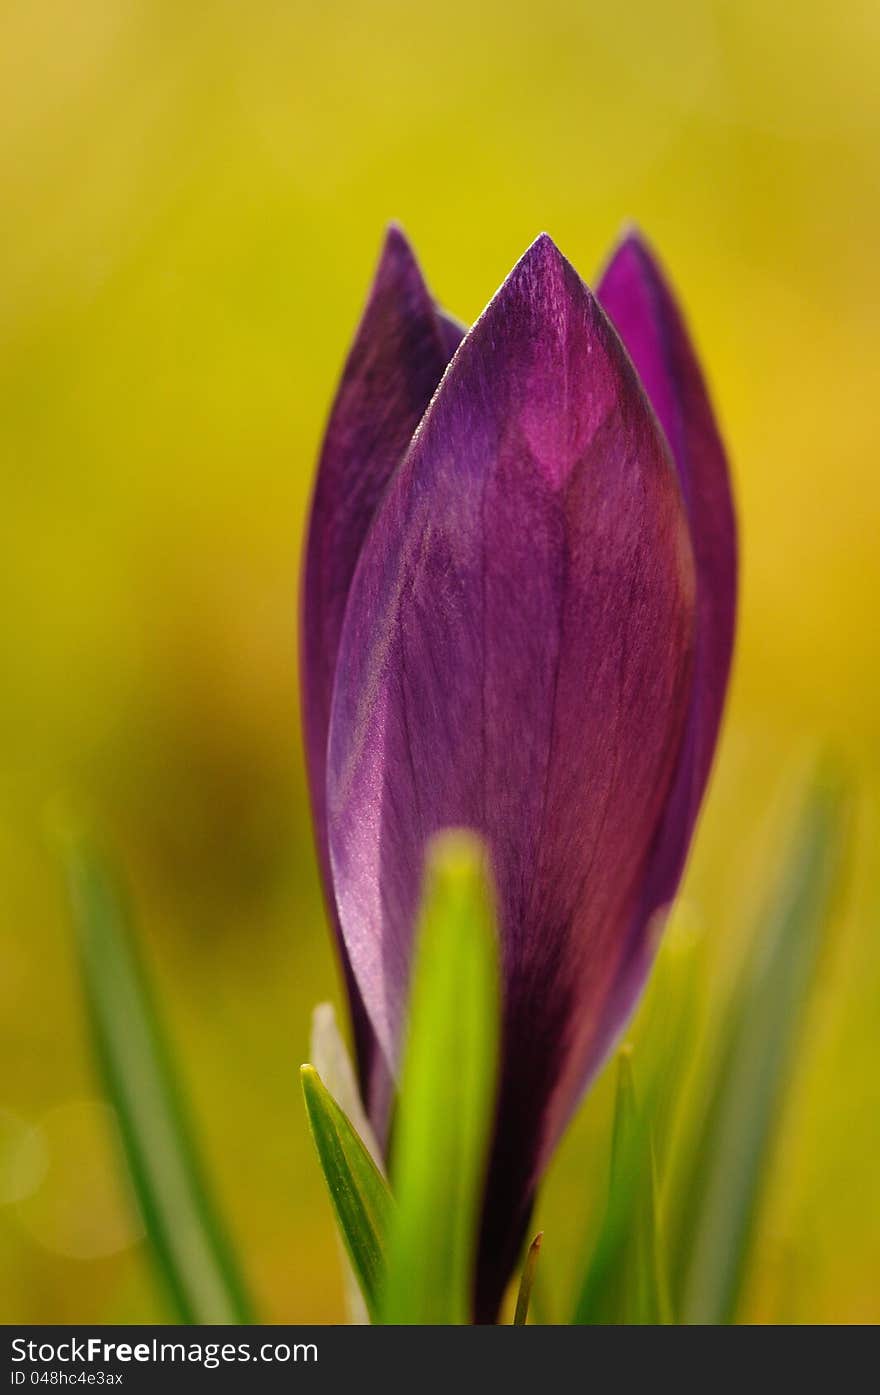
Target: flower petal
<point>640,303</point>
<point>400,351</point>
<point>515,659</point>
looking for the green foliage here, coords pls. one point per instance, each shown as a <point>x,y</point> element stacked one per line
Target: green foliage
<point>625,1281</point>
<point>527,1281</point>
<point>358,1190</point>
<point>185,1233</point>
<point>331,1059</point>
<point>718,1193</point>
<point>414,1256</point>
<point>447,1097</point>
<point>725,1142</point>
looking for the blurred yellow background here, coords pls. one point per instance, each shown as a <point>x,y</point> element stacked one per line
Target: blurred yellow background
<point>193,197</point>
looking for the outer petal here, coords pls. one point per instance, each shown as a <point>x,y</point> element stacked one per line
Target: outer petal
<point>400,351</point>
<point>515,659</point>
<point>644,311</point>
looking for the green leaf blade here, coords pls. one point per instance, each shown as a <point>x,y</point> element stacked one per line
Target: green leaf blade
<point>358,1191</point>
<point>187,1238</point>
<point>625,1280</point>
<point>720,1189</point>
<point>330,1056</point>
<point>527,1281</point>
<point>448,1092</point>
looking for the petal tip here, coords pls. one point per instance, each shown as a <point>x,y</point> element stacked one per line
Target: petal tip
<point>397,251</point>
<point>546,277</point>
<point>631,232</point>
<point>542,255</point>
<point>632,242</point>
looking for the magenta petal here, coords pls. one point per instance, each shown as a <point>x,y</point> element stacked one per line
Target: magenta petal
<point>400,351</point>
<point>644,311</point>
<point>515,659</point>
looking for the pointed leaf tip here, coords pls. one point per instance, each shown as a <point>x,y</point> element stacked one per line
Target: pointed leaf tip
<point>527,1281</point>
<point>358,1192</point>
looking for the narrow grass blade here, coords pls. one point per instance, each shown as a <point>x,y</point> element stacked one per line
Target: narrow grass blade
<point>666,1031</point>
<point>719,1194</point>
<point>625,1281</point>
<point>186,1236</point>
<point>358,1191</point>
<point>447,1097</point>
<point>333,1064</point>
<point>523,1298</point>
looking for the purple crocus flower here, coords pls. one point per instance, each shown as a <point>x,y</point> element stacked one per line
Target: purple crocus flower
<point>519,603</point>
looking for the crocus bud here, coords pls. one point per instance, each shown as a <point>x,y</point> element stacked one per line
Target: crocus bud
<point>518,618</point>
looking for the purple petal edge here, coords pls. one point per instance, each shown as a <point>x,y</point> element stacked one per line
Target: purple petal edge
<point>641,304</point>
<point>400,351</point>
